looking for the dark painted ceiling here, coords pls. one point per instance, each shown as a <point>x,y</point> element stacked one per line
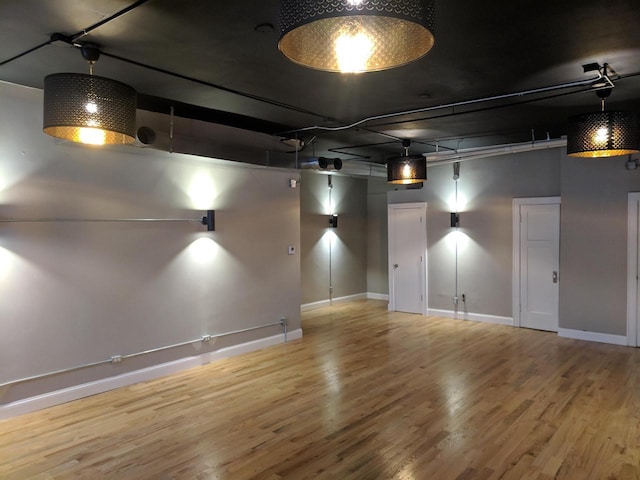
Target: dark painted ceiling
<point>224,63</point>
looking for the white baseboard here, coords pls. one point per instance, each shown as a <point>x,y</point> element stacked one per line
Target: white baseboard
<point>377,296</point>
<point>475,317</point>
<point>327,303</point>
<point>27,405</point>
<point>593,336</point>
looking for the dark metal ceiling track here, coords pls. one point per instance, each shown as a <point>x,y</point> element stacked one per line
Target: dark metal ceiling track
<point>72,38</point>
<point>268,101</point>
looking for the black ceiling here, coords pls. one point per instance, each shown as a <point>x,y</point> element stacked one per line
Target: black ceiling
<point>227,67</point>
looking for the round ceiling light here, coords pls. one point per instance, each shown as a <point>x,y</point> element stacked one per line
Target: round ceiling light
<point>353,36</point>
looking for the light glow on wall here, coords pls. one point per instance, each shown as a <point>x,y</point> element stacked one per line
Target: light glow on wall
<point>203,249</point>
<point>329,237</point>
<point>457,239</point>
<point>6,260</point>
<point>202,191</point>
<point>457,206</point>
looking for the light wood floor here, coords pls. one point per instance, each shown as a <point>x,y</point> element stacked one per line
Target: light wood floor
<point>364,395</point>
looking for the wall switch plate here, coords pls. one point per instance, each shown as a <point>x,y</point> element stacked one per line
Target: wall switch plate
<point>291,250</point>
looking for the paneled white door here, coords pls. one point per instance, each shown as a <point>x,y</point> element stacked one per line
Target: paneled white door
<point>539,266</point>
<point>407,258</point>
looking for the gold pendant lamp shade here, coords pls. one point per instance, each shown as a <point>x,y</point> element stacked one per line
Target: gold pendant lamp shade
<point>89,109</point>
<point>407,169</point>
<point>353,36</point>
<point>603,134</point>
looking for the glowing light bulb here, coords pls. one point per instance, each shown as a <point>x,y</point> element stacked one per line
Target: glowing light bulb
<point>406,171</point>
<point>92,136</point>
<point>353,50</point>
<point>601,136</point>
<point>91,107</point>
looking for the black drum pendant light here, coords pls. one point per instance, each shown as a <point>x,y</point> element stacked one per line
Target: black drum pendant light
<point>87,108</point>
<point>407,169</point>
<point>353,36</point>
<point>603,134</point>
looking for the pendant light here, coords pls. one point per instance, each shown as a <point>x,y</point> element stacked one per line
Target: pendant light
<point>87,108</point>
<point>407,169</point>
<point>352,36</point>
<point>603,134</point>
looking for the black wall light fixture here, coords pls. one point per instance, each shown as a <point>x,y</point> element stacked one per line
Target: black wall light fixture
<point>455,219</point>
<point>333,220</point>
<point>210,220</point>
<point>87,108</point>
<point>353,36</point>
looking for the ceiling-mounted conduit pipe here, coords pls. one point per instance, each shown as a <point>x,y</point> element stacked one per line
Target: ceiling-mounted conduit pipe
<point>579,83</point>
<point>434,159</point>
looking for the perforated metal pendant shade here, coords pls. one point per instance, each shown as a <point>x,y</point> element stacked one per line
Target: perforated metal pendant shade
<point>407,169</point>
<point>89,109</point>
<point>356,35</point>
<point>603,134</point>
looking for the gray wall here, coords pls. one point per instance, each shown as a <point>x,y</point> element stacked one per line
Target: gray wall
<point>377,236</point>
<point>75,293</point>
<point>485,253</point>
<point>593,246</point>
<point>348,241</point>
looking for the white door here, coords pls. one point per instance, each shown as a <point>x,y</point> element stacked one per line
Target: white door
<point>539,266</point>
<point>633,270</point>
<point>407,258</point>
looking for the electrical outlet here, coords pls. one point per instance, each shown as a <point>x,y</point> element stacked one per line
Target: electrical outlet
<point>206,338</point>
<point>116,359</point>
<point>455,300</point>
<point>464,298</point>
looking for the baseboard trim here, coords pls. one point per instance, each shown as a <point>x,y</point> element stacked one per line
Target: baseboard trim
<point>593,336</point>
<point>57,397</point>
<point>377,296</point>
<point>327,303</point>
<point>474,317</point>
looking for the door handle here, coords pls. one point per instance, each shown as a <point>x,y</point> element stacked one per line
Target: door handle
<point>555,277</point>
<point>395,265</point>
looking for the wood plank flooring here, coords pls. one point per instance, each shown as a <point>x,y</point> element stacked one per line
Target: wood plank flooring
<point>366,394</point>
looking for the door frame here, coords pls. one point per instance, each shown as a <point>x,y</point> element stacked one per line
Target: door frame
<point>391,208</point>
<point>632,270</point>
<point>515,282</point>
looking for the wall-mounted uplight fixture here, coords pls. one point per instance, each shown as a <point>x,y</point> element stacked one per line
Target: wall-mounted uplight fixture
<point>333,220</point>
<point>210,220</point>
<point>89,109</point>
<point>455,219</point>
